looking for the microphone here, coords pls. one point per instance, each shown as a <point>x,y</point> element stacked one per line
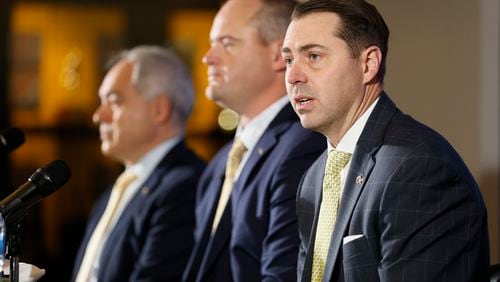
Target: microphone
<point>42,183</point>
<point>11,139</point>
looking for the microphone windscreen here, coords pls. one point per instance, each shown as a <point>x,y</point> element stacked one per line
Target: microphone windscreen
<point>12,138</point>
<point>58,172</point>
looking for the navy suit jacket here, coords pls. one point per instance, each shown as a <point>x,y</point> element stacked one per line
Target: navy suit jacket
<point>410,204</point>
<point>257,238</point>
<point>153,237</point>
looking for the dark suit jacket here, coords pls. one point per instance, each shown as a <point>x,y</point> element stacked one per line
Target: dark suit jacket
<point>153,237</point>
<point>257,238</point>
<point>412,200</point>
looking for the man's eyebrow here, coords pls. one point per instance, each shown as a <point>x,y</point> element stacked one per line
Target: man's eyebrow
<point>285,50</point>
<point>304,48</point>
<point>311,46</point>
<point>224,37</point>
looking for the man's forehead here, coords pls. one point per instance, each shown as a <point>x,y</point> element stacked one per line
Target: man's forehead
<point>234,16</point>
<point>311,28</point>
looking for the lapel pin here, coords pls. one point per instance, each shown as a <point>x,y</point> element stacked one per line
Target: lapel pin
<point>260,151</point>
<point>145,190</point>
<point>360,179</point>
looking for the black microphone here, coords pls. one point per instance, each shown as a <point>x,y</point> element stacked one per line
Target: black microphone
<point>42,183</point>
<point>11,139</point>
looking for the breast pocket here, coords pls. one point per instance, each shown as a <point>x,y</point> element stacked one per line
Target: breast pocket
<point>358,261</point>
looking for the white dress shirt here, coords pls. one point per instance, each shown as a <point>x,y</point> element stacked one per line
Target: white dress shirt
<point>350,139</point>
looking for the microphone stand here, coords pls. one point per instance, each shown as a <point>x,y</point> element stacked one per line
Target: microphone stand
<point>14,250</point>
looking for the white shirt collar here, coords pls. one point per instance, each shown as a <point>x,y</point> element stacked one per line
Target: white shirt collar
<point>350,139</point>
<point>148,162</point>
<point>252,132</point>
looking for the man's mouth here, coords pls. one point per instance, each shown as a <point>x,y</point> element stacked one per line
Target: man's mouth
<point>304,101</point>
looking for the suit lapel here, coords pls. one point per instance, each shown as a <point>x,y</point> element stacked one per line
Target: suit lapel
<point>216,243</point>
<point>266,143</point>
<point>201,258</point>
<point>211,199</point>
<point>362,163</point>
<point>209,247</point>
<point>222,236</point>
<point>137,201</point>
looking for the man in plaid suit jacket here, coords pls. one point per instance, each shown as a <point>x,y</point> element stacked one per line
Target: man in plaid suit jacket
<point>410,210</point>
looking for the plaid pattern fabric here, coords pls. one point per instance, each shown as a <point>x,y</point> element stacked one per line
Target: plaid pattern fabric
<point>410,209</point>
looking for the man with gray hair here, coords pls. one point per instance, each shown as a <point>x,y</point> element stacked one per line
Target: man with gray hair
<point>141,228</point>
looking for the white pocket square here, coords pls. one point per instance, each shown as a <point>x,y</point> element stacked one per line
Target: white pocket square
<point>350,238</point>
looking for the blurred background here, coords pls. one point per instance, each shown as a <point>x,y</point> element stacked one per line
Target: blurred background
<point>443,69</point>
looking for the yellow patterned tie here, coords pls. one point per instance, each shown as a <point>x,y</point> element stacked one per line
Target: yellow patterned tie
<point>102,227</point>
<point>232,164</point>
<point>335,162</point>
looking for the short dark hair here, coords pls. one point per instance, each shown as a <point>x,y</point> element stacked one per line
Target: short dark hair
<point>361,25</point>
<point>272,19</point>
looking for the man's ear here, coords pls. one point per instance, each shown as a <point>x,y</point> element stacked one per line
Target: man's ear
<point>162,109</point>
<point>371,58</point>
<point>278,62</point>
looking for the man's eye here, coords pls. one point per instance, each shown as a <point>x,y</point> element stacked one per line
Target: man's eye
<point>227,43</point>
<point>314,57</point>
<point>114,101</point>
<point>288,60</point>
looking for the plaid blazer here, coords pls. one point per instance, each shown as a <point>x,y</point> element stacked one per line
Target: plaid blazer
<point>410,209</point>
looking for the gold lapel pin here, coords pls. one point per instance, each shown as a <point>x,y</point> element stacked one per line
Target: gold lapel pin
<point>360,179</point>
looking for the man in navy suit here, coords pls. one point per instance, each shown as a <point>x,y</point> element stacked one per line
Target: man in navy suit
<point>409,208</point>
<point>146,98</point>
<point>248,232</point>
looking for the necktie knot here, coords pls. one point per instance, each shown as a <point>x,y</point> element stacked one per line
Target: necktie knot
<point>336,161</point>
<point>234,158</point>
<point>124,181</point>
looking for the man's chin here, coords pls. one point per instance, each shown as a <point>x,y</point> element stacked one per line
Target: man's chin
<point>216,98</point>
<point>307,123</point>
<point>211,93</point>
<point>304,122</point>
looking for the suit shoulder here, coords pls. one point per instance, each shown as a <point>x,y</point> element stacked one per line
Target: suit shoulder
<point>416,137</point>
<point>407,138</point>
<point>179,174</point>
<point>298,138</point>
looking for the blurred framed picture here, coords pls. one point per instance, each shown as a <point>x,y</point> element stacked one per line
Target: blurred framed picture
<point>25,71</point>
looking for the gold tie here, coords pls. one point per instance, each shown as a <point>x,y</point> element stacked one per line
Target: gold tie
<point>335,162</point>
<point>102,227</point>
<point>232,164</point>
